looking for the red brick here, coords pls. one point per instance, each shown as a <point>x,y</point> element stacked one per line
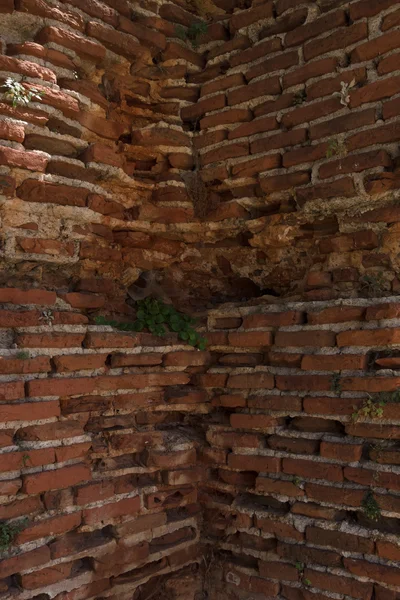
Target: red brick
<point>343,452</point>
<point>369,384</point>
<point>278,570</point>
<point>273,106</point>
<point>273,319</point>
<point>49,527</point>
<point>300,553</point>
<point>103,515</point>
<point>280,140</point>
<point>283,5</point>
<point>355,164</point>
<point>376,91</point>
<point>388,550</point>
<point>279,529</point>
<point>24,160</point>
<point>252,339</point>
<point>334,362</point>
<point>261,464</point>
<point>305,338</point>
<point>282,61</point>
<point>251,380</point>
<point>14,461</point>
<point>195,111</point>
<point>55,479</point>
<point>229,439</point>
<point>344,123</point>
<point>239,42</point>
<point>22,562</point>
<point>304,382</point>
<point>33,190</point>
<point>305,154</point>
<point>101,153</point>
<point>276,486</point>
<point>226,117</point>
<point>257,126</point>
<point>36,410</point>
<point>314,69</point>
<point>340,188</point>
<point>335,495</point>
<point>44,577</point>
<point>254,90</point>
<point>19,508</point>
<point>376,47</point>
<point>330,85</point>
<point>249,168</point>
<point>73,451</point>
<point>11,131</point>
<point>78,362</point>
<point>312,470</point>
<point>377,135</point>
<point>275,402</point>
<point>257,421</point>
<point>339,584</point>
<point>46,246</point>
<point>370,430</point>
<point>49,340</point>
<point>278,183</point>
<point>364,8</point>
<point>315,28</point>
<point>376,572</point>
<point>42,9</point>
<point>224,83</point>
<point>388,64</point>
<point>186,359</point>
<point>12,390</point>
<point>228,151</point>
<point>369,337</point>
<point>258,51</point>
<point>391,310</point>
<point>360,240</point>
<point>252,15</point>
<point>343,37</point>
<point>372,478</point>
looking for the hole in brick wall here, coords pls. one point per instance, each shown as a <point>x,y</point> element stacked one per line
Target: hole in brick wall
<point>252,501</point>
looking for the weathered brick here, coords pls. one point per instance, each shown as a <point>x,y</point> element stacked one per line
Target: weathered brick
<point>315,28</point>
<point>314,69</point>
<point>55,479</point>
<point>343,452</point>
<point>257,51</point>
<point>257,421</point>
<point>356,163</point>
<point>251,380</point>
<point>376,47</point>
<point>334,362</point>
<point>360,240</point>
<point>305,338</point>
<point>376,572</point>
<point>281,140</point>
<point>343,37</point>
<point>226,117</point>
<point>103,515</point>
<point>340,188</point>
<point>312,470</point>
<point>369,337</point>
<point>22,562</point>
<point>282,61</point>
<point>345,123</point>
<point>339,584</point>
<point>373,92</point>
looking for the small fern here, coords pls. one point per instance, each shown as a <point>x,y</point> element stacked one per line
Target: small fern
<point>371,507</point>
<point>8,533</point>
<point>192,33</point>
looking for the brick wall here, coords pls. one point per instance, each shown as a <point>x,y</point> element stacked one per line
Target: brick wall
<point>301,195</point>
<point>138,468</point>
<point>135,465</point>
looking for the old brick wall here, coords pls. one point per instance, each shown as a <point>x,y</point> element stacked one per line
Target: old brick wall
<point>296,452</point>
<point>136,466</point>
<point>301,180</point>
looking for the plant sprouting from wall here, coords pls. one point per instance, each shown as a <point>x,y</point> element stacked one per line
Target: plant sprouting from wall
<point>371,507</point>
<point>157,317</point>
<point>344,94</point>
<point>336,147</point>
<point>336,384</point>
<point>19,94</point>
<point>192,33</point>
<point>300,567</point>
<point>372,408</point>
<point>8,533</point>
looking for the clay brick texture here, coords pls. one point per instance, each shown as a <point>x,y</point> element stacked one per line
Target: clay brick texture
<point>255,156</point>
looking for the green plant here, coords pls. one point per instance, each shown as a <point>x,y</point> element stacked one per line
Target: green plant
<point>371,408</point>
<point>19,94</point>
<point>22,355</point>
<point>192,33</point>
<point>25,459</point>
<point>336,384</point>
<point>336,147</point>
<point>155,316</point>
<point>296,481</point>
<point>300,567</point>
<point>387,397</point>
<point>299,97</point>
<point>8,533</point>
<point>373,284</point>
<point>371,507</point>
